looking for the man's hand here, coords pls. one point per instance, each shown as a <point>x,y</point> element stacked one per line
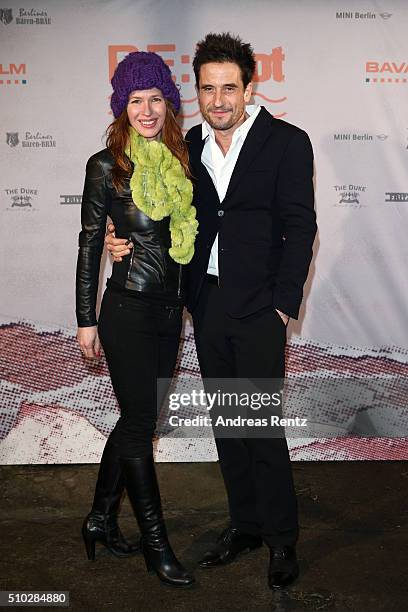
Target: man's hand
<point>89,343</point>
<point>117,247</point>
<point>285,318</point>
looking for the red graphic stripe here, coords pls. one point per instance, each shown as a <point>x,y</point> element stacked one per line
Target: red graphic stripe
<point>277,101</point>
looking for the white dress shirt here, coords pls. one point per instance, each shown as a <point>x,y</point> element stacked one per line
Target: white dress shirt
<point>220,168</point>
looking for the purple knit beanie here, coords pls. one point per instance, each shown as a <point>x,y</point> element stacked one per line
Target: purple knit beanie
<point>142,70</point>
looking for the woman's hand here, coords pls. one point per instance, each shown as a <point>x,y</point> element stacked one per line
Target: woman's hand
<point>89,342</point>
<point>117,247</point>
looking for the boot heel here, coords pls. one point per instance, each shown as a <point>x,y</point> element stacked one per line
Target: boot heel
<point>89,547</point>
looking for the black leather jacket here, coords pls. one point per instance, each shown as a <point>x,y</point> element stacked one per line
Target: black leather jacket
<point>148,268</point>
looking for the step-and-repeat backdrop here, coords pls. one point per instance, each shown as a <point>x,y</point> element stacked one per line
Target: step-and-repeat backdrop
<point>339,70</point>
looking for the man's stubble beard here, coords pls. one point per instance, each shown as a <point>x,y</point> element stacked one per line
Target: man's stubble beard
<point>233,120</point>
<point>223,127</point>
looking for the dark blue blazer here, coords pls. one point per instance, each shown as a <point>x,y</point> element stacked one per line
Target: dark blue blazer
<point>266,222</point>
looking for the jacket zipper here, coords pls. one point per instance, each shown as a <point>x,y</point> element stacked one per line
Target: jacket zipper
<point>179,281</point>
<point>131,259</point>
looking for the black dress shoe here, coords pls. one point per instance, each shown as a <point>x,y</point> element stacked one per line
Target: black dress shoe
<point>230,544</point>
<point>283,566</point>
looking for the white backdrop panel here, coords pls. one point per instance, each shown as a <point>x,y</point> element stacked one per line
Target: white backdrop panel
<point>339,73</point>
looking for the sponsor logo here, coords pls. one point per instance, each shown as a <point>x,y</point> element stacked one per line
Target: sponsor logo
<point>386,72</point>
<point>21,198</point>
<point>6,15</point>
<point>396,196</point>
<point>70,199</point>
<point>367,16</point>
<point>12,139</point>
<point>269,75</point>
<point>350,196</point>
<point>358,137</point>
<point>32,140</point>
<point>25,16</point>
<point>13,74</point>
<point>356,15</point>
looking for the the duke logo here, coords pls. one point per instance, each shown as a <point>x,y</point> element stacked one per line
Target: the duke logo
<point>6,16</point>
<point>349,197</point>
<point>21,200</point>
<point>12,139</point>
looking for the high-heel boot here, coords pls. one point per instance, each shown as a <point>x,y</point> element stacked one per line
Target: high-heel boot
<point>144,495</point>
<point>101,524</point>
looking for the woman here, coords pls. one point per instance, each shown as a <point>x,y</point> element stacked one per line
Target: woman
<point>141,181</point>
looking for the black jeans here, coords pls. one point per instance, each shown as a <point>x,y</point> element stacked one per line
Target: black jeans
<point>256,471</point>
<point>140,339</point>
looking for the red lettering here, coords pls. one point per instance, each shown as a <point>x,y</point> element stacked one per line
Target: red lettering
<point>269,66</point>
<point>386,67</point>
<point>372,67</point>
<point>401,68</point>
<point>392,67</point>
<point>163,48</point>
<point>263,70</point>
<point>113,51</point>
<point>13,69</point>
<point>20,69</point>
<point>277,57</point>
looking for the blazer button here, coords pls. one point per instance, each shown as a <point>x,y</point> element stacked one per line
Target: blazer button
<point>220,213</point>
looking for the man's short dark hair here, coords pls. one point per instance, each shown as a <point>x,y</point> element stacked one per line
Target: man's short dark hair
<point>225,48</point>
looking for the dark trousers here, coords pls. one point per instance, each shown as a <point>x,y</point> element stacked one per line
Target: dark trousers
<point>140,340</point>
<point>256,471</point>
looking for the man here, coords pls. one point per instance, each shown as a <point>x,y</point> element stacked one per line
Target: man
<point>254,198</point>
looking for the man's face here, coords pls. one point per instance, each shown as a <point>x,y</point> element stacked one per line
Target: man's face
<point>222,95</point>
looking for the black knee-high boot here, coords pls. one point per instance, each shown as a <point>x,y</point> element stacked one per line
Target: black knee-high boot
<point>101,524</point>
<point>144,495</point>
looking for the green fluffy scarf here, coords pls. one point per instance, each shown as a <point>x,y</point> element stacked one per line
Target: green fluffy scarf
<point>160,189</point>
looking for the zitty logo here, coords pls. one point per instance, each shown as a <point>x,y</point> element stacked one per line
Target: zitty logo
<point>386,72</point>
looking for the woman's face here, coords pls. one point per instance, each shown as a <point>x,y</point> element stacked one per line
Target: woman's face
<point>146,111</point>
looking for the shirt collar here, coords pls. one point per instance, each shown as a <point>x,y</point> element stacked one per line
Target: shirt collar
<point>252,110</point>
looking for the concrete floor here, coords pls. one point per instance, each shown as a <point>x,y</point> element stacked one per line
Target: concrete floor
<point>353,548</point>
